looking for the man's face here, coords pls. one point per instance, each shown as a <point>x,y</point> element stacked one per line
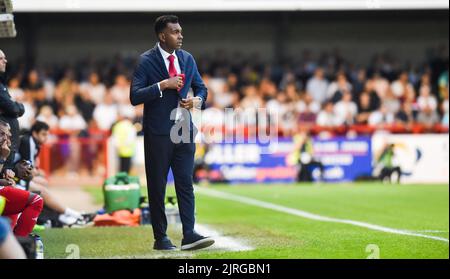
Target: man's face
<point>41,136</point>
<point>3,62</point>
<point>172,36</point>
<point>5,134</point>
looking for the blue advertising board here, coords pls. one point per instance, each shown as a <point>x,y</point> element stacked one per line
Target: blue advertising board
<point>343,159</point>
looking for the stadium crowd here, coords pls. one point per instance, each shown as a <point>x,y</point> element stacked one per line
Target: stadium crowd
<point>325,91</point>
<point>318,92</point>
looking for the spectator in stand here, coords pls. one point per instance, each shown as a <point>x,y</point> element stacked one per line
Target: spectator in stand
<point>267,88</point>
<point>428,117</point>
<point>120,93</point>
<point>283,111</point>
<point>289,78</point>
<point>359,84</point>
<point>307,102</point>
<point>425,80</point>
<point>120,90</point>
<point>426,99</point>
<point>46,115</point>
<point>252,98</point>
<point>380,85</point>
<point>338,88</point>
<point>443,83</point>
<point>317,86</point>
<point>49,84</point>
<point>232,82</point>
<point>402,88</point>
<point>15,90</point>
<point>391,103</point>
<point>106,113</point>
<point>346,110</point>
<point>18,95</point>
<point>65,92</point>
<point>405,116</point>
<point>223,98</point>
<point>292,93</point>
<point>93,88</point>
<point>307,110</point>
<point>73,124</point>
<point>277,107</point>
<point>364,108</point>
<point>327,117</point>
<point>374,99</point>
<point>85,105</point>
<point>34,89</point>
<point>381,117</point>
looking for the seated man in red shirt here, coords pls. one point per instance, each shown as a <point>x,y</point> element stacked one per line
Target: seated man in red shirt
<point>18,202</point>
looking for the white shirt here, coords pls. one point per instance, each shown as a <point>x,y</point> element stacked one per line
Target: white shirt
<point>33,151</point>
<point>71,123</point>
<point>105,115</point>
<point>429,101</point>
<point>326,119</point>
<point>165,56</point>
<point>343,109</point>
<point>96,92</point>
<point>317,88</point>
<point>377,117</point>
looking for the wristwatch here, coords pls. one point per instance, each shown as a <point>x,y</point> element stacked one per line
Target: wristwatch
<point>2,161</point>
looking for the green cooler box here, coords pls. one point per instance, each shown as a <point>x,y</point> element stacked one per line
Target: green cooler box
<point>121,192</point>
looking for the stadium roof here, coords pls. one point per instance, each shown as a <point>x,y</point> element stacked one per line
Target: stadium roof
<point>220,5</point>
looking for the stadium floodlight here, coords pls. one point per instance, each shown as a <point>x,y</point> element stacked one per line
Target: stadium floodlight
<point>7,26</point>
<point>6,7</point>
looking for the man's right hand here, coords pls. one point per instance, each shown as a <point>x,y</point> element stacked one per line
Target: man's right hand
<point>172,83</point>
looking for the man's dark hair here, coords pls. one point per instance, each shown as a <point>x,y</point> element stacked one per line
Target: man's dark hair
<point>161,22</point>
<point>39,126</point>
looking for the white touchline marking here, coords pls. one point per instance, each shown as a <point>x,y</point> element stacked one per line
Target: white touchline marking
<point>312,216</point>
<point>222,242</point>
<point>427,231</point>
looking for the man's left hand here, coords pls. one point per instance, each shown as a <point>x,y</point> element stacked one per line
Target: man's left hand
<point>191,102</point>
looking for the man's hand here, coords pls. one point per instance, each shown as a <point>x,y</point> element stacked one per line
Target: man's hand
<point>191,102</point>
<point>9,174</point>
<point>24,170</point>
<point>7,182</point>
<point>172,83</point>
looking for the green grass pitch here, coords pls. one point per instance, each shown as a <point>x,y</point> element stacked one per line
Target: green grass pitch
<point>273,234</point>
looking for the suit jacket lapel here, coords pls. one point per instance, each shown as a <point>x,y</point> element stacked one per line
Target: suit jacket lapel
<point>160,60</point>
<point>180,60</point>
<point>185,89</point>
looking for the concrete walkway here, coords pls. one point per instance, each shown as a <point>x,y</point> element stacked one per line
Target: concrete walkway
<point>70,192</point>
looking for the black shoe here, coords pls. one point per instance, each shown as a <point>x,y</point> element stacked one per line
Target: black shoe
<point>164,244</point>
<point>89,217</point>
<point>195,242</point>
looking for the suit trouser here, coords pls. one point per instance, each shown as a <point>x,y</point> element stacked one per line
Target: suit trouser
<point>160,155</point>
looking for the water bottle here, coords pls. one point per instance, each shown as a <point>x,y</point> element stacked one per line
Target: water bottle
<point>39,248</point>
<point>145,216</point>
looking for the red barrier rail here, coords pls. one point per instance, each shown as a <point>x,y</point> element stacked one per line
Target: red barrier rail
<point>50,157</point>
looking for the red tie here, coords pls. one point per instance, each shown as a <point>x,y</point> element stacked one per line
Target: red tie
<point>172,70</point>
